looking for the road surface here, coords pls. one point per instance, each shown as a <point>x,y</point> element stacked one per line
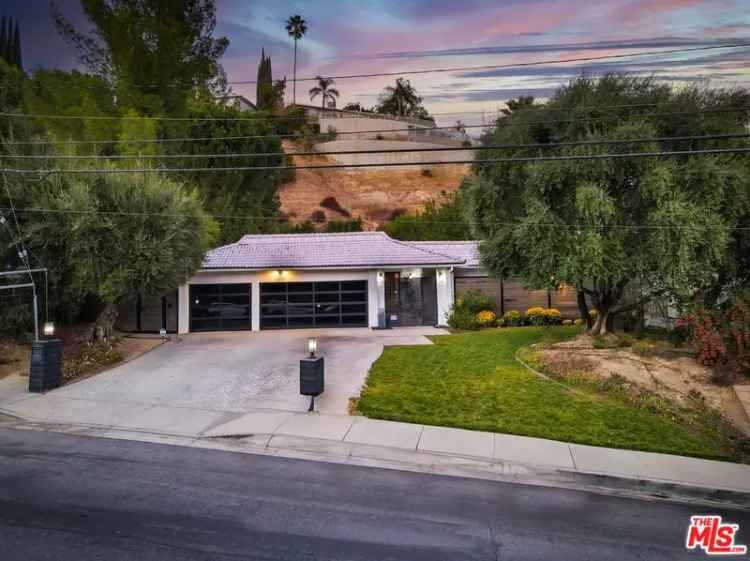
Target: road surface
<point>65,497</point>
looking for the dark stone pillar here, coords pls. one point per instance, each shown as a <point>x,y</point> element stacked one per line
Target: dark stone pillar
<point>46,365</point>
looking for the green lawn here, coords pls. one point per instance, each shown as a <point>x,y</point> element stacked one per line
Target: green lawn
<point>471,380</point>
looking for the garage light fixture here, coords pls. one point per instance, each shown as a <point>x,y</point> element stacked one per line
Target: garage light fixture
<point>49,329</point>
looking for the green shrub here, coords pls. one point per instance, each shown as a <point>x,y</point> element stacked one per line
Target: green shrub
<point>600,342</point>
<point>511,318</point>
<point>641,347</point>
<point>625,340</point>
<point>460,317</point>
<point>476,301</point>
<point>16,320</point>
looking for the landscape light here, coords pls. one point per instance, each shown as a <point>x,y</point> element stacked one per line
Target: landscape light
<point>49,329</point>
<point>312,346</point>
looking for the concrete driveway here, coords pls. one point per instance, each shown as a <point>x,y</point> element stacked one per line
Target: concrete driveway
<point>239,372</point>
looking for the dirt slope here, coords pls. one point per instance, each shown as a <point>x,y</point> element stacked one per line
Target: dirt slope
<point>371,194</point>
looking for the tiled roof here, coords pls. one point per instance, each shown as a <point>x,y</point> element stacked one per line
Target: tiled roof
<point>345,250</point>
<point>467,251</point>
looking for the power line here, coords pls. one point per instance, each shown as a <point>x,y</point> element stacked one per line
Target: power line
<point>355,114</point>
<point>550,145</point>
<point>85,171</point>
<point>499,122</point>
<point>512,65</point>
<point>402,217</point>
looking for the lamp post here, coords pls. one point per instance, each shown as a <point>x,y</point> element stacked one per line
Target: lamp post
<point>312,373</point>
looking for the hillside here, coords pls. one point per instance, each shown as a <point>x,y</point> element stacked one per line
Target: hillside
<point>374,195</point>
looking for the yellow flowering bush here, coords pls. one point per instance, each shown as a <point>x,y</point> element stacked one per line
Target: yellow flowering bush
<point>593,312</point>
<point>534,315</point>
<point>486,318</point>
<point>552,316</point>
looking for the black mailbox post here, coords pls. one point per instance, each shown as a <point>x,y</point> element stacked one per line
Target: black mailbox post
<point>45,372</point>
<point>311,376</point>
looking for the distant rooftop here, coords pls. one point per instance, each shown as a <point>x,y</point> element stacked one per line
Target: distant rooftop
<point>321,251</point>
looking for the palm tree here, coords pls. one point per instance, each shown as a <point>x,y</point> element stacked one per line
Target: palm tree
<point>403,96</point>
<point>296,27</point>
<point>324,90</point>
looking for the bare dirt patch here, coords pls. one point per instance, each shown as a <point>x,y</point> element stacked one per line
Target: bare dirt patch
<point>371,194</point>
<point>14,358</point>
<point>80,360</point>
<point>670,373</point>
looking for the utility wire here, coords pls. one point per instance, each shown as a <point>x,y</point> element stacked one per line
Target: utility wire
<point>481,67</point>
<point>89,171</point>
<point>512,65</point>
<point>550,145</point>
<point>355,114</point>
<point>499,123</point>
<point>284,221</point>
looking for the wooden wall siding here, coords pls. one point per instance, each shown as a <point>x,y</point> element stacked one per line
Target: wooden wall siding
<point>151,315</point>
<point>515,297</point>
<point>126,318</point>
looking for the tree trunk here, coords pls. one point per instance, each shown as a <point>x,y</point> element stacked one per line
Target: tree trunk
<point>583,308</point>
<point>104,325</point>
<point>294,71</point>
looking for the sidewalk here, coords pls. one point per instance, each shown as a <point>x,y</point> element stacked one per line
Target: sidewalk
<point>341,438</point>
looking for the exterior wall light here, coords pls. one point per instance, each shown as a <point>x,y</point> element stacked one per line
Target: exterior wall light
<point>49,329</point>
<point>312,346</point>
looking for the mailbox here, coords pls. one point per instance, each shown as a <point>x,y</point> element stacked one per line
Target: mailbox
<point>46,365</point>
<point>311,376</point>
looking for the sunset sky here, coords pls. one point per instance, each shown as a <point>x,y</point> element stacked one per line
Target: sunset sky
<point>352,36</point>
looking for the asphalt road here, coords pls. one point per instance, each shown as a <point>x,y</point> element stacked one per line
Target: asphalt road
<point>65,498</point>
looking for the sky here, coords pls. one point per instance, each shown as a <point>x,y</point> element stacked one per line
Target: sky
<point>358,36</point>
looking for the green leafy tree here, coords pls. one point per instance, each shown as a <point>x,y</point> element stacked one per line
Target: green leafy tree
<point>244,201</point>
<point>654,226</point>
<point>402,100</point>
<point>354,225</point>
<point>156,52</point>
<point>111,236</point>
<point>325,90</point>
<point>523,102</point>
<point>135,128</point>
<point>296,27</point>
<point>73,94</point>
<point>440,220</point>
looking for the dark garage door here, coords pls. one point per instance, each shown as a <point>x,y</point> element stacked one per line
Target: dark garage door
<point>313,304</point>
<point>219,307</point>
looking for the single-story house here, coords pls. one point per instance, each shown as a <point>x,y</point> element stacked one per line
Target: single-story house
<point>360,279</point>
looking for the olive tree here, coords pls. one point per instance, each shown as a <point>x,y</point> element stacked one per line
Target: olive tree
<point>603,224</point>
<point>107,237</point>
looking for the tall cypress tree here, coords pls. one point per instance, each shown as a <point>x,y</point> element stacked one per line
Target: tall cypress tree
<point>17,60</point>
<point>259,79</point>
<point>3,40</point>
<point>264,92</point>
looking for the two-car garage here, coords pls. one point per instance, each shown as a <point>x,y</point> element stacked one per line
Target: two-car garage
<point>283,305</point>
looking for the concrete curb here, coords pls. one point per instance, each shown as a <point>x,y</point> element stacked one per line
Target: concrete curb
<point>314,449</point>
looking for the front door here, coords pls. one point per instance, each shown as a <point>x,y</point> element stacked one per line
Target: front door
<point>403,300</point>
